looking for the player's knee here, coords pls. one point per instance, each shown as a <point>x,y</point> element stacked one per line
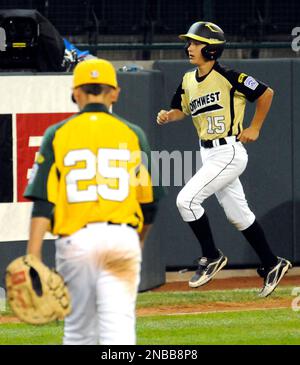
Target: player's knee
<point>182,201</point>
<point>189,209</point>
<point>186,200</point>
<point>238,214</point>
<point>246,223</point>
<point>242,222</point>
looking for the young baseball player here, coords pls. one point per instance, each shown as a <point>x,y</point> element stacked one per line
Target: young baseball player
<point>215,97</point>
<point>91,188</point>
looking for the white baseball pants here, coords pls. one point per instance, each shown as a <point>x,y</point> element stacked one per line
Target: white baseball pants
<point>219,175</point>
<point>101,266</point>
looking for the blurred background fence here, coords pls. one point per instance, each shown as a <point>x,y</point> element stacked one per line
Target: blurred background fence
<point>148,29</point>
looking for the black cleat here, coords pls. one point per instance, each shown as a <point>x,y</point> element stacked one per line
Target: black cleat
<point>272,276</point>
<point>207,269</point>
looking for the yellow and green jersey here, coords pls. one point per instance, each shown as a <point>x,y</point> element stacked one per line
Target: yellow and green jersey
<point>91,168</point>
<point>216,101</point>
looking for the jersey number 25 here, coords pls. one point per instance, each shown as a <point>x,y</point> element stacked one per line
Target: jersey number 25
<point>94,165</point>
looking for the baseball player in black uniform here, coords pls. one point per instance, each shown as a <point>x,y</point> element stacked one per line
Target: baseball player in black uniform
<point>215,97</point>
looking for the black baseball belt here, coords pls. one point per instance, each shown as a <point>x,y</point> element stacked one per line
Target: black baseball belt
<point>218,142</point>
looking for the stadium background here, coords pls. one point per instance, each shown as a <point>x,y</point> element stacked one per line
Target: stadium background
<point>259,35</point>
<point>129,29</point>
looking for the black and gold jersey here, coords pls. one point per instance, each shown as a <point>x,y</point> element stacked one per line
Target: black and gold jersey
<point>216,101</point>
<point>91,168</point>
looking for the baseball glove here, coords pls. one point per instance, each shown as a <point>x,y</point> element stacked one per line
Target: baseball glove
<point>36,294</point>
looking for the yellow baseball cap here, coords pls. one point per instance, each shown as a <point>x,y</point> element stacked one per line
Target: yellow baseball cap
<point>95,71</point>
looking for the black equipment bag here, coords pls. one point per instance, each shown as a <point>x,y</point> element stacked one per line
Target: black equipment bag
<point>30,42</point>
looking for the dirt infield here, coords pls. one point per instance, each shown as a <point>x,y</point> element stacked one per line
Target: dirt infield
<point>229,283</point>
<point>221,284</point>
<point>9,319</point>
<point>219,306</point>
<point>215,307</point>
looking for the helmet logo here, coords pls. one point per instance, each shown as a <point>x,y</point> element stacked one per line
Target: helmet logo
<point>212,28</point>
<point>94,74</point>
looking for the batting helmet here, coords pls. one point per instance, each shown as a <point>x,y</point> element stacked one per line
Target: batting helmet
<point>209,34</point>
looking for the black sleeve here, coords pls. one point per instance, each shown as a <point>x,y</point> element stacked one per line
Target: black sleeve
<point>149,211</point>
<point>176,100</point>
<point>42,208</point>
<point>245,84</point>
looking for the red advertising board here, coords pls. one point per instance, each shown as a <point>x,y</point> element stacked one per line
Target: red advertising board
<point>30,129</point>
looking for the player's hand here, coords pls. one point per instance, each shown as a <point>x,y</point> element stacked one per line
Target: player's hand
<point>162,117</point>
<point>250,134</point>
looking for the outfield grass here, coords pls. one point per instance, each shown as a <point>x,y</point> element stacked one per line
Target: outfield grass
<point>25,334</point>
<point>272,326</point>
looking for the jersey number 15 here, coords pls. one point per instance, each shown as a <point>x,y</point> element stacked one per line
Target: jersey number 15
<point>216,125</point>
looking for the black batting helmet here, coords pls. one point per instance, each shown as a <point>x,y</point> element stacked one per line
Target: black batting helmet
<point>211,35</point>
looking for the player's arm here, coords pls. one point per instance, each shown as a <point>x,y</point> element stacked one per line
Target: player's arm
<point>38,229</point>
<point>147,194</point>
<point>165,116</point>
<point>41,189</point>
<point>146,197</point>
<point>144,233</point>
<point>179,108</point>
<point>148,220</point>
<point>39,224</point>
<point>263,105</point>
<point>253,90</point>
